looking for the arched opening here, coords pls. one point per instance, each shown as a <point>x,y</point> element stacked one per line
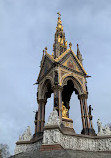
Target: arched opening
<point>47,89</point>
<point>71,102</point>
<point>49,107</point>
<point>48,96</point>
<point>75,113</point>
<point>67,92</point>
<point>44,92</point>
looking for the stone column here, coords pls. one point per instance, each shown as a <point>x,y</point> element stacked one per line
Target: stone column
<point>36,118</point>
<point>58,100</point>
<point>41,115</point>
<point>87,115</point>
<point>82,113</point>
<point>87,130</point>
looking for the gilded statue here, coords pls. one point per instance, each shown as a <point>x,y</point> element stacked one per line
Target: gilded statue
<point>64,111</point>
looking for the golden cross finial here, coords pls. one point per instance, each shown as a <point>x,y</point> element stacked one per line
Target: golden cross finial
<point>59,14</point>
<point>70,45</point>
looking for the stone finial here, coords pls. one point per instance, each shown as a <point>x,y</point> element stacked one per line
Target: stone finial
<point>79,55</point>
<point>78,51</point>
<point>70,45</point>
<point>45,49</point>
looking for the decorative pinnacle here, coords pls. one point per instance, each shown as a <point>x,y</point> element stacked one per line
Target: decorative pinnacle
<point>77,47</point>
<point>78,52</point>
<point>45,49</point>
<point>70,45</point>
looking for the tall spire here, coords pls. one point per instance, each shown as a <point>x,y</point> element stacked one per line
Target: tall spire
<point>59,23</point>
<point>60,45</point>
<point>79,55</point>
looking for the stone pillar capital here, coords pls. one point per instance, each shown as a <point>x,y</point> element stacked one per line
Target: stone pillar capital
<point>57,87</point>
<point>82,96</point>
<point>42,101</point>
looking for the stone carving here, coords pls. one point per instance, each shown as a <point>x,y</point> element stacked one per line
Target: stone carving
<point>54,136</point>
<point>103,130</point>
<point>74,142</point>
<point>53,119</point>
<point>27,147</point>
<point>51,137</point>
<point>26,136</point>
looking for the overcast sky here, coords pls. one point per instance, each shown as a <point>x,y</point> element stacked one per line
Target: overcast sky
<point>26,27</point>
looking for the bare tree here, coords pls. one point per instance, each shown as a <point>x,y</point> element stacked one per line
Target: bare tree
<point>4,151</point>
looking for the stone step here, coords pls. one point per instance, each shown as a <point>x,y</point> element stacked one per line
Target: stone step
<point>63,154</point>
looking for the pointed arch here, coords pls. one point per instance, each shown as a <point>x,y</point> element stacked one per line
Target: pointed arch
<point>46,89</point>
<point>76,82</point>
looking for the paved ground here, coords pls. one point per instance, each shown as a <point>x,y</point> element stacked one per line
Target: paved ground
<point>63,154</point>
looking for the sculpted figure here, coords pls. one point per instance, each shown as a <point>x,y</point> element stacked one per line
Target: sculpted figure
<point>90,112</point>
<point>99,125</point>
<point>64,111</point>
<point>20,138</point>
<point>26,136</point>
<point>103,130</point>
<point>53,118</point>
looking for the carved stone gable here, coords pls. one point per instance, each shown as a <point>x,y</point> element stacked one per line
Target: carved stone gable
<point>63,73</point>
<point>45,68</point>
<point>71,63</point>
<point>80,79</point>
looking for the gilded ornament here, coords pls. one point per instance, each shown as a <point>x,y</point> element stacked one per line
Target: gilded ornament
<point>59,14</point>
<point>45,48</point>
<point>70,45</point>
<point>64,111</point>
<point>66,44</point>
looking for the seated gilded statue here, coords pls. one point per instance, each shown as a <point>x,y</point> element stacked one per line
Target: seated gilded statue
<point>64,111</point>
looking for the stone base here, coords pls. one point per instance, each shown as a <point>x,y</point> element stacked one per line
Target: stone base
<point>27,146</point>
<point>56,135</point>
<point>67,125</point>
<point>62,154</point>
<point>51,147</point>
<point>67,122</point>
<point>36,138</point>
<point>39,134</point>
<point>57,138</point>
<point>88,131</point>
